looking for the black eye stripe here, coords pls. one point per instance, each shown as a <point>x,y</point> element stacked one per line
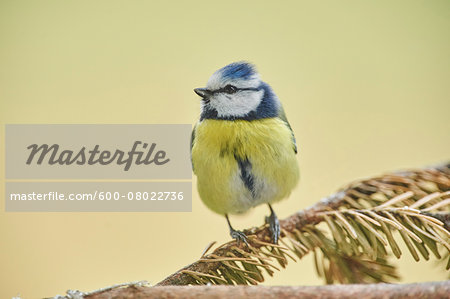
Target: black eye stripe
<point>237,89</point>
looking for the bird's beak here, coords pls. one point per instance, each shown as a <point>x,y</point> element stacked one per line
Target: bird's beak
<point>203,92</point>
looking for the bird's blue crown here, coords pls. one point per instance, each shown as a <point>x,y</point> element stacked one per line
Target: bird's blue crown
<point>238,70</point>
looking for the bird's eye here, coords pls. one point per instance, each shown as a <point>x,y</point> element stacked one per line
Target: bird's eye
<point>230,89</point>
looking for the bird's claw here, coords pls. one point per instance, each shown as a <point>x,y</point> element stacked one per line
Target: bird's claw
<point>274,227</point>
<point>239,236</point>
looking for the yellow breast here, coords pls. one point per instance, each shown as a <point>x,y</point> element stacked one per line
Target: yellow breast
<point>266,144</point>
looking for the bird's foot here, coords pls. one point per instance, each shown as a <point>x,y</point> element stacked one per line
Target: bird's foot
<point>274,226</point>
<point>238,236</point>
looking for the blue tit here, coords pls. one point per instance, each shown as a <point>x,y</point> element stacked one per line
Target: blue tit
<point>242,148</point>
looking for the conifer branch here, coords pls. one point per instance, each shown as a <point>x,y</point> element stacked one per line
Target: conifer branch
<point>361,223</point>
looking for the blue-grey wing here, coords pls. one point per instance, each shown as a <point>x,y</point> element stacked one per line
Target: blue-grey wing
<point>192,144</point>
<point>283,117</point>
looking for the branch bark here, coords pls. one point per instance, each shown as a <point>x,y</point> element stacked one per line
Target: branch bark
<point>386,291</point>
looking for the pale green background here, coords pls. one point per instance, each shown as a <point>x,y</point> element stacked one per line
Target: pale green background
<point>365,85</point>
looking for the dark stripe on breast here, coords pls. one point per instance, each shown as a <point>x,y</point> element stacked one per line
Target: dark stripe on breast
<point>246,175</point>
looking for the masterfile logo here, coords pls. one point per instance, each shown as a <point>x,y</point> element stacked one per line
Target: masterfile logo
<point>98,168</point>
<point>98,151</point>
<point>94,156</point>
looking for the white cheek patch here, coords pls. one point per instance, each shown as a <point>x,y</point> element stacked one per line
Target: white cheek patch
<point>237,104</point>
